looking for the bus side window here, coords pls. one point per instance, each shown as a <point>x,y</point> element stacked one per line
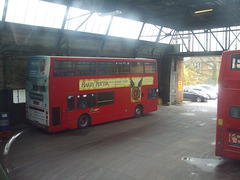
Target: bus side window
<point>152,93</point>
<point>105,68</point>
<point>70,103</point>
<point>86,101</point>
<point>63,68</point>
<point>122,67</point>
<point>85,68</point>
<point>150,67</point>
<point>137,68</point>
<point>105,98</point>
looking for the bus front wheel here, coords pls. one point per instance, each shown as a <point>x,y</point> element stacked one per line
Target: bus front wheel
<point>84,121</point>
<point>138,111</point>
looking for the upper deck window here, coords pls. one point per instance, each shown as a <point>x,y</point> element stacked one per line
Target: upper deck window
<point>122,67</point>
<point>150,67</point>
<point>235,63</point>
<point>105,68</point>
<point>64,68</point>
<point>86,68</point>
<point>137,68</point>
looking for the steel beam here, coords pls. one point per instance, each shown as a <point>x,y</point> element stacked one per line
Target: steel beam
<point>217,40</point>
<point>84,21</point>
<point>183,41</point>
<point>62,28</point>
<point>198,41</point>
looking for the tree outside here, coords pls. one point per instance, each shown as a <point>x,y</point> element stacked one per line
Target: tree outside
<point>201,70</point>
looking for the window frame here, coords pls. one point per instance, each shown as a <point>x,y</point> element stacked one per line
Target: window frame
<point>106,100</point>
<point>94,73</point>
<point>135,62</point>
<point>122,67</point>
<point>61,73</point>
<point>155,70</point>
<point>88,102</point>
<point>153,90</point>
<point>102,69</point>
<point>71,107</point>
<point>235,58</point>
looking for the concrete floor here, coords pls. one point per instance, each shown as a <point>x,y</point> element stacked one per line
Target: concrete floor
<point>176,142</point>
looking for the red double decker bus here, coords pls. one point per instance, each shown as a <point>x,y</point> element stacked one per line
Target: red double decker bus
<point>228,111</point>
<point>75,92</point>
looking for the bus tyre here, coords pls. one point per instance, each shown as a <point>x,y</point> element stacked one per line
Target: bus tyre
<point>138,111</point>
<point>84,121</point>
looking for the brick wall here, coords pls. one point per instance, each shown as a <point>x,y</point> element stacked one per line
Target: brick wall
<point>180,75</point>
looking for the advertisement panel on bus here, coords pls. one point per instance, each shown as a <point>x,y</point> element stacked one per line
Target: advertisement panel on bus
<point>37,90</point>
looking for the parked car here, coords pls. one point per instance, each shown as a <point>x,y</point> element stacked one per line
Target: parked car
<point>193,95</point>
<point>207,89</point>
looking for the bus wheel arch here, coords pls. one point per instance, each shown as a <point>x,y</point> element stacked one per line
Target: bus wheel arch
<point>84,121</point>
<point>138,111</point>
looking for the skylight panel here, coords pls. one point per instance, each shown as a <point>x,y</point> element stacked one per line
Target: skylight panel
<point>166,35</point>
<point>35,12</point>
<point>2,2</point>
<point>96,24</point>
<point>125,28</point>
<point>76,18</point>
<point>85,21</point>
<point>149,33</point>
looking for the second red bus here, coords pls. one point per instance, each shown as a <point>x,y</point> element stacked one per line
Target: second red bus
<point>228,110</point>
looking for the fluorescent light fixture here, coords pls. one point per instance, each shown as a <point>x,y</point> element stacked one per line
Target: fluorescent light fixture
<point>203,11</point>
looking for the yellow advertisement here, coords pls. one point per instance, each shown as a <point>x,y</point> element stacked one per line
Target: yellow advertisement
<point>134,82</point>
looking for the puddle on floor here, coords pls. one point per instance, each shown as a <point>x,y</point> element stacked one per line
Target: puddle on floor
<point>206,165</point>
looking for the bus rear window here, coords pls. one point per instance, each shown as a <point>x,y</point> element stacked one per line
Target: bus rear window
<point>234,111</point>
<point>235,64</point>
<point>64,68</point>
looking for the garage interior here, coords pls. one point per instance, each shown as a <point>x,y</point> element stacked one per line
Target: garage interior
<point>18,41</point>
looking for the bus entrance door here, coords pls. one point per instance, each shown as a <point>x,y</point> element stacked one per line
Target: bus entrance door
<point>68,108</point>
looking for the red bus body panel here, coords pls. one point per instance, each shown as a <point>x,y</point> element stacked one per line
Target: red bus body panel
<point>61,87</point>
<point>228,96</point>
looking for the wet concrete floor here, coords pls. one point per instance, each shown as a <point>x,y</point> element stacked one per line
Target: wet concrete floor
<point>176,142</point>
